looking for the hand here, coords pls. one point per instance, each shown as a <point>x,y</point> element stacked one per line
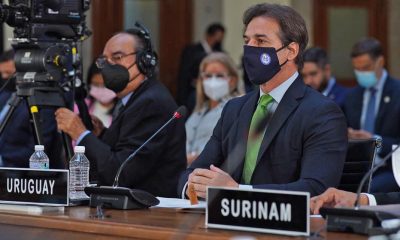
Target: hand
<point>98,126</point>
<point>335,198</point>
<point>358,134</point>
<point>201,178</point>
<point>70,123</point>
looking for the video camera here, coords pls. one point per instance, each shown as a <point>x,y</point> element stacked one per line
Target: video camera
<point>46,19</point>
<point>46,35</point>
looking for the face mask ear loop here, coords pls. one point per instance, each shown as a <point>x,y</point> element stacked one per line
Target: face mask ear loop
<point>284,46</point>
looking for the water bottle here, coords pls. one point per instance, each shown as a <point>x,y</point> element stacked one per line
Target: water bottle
<point>39,159</point>
<point>78,174</point>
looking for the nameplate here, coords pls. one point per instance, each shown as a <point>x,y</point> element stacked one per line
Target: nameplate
<point>265,211</point>
<point>48,187</point>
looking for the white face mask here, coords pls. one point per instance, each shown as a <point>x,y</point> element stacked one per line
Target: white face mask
<point>216,88</point>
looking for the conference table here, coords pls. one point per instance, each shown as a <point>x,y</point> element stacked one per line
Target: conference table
<point>155,223</point>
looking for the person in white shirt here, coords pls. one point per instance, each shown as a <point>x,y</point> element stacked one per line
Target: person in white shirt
<point>337,198</point>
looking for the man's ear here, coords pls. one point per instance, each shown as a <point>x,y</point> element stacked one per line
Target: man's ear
<point>293,51</point>
<point>381,61</point>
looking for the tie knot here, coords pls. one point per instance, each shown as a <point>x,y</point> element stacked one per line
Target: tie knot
<point>372,90</point>
<point>265,100</point>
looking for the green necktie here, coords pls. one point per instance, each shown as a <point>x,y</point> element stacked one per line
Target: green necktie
<point>254,141</point>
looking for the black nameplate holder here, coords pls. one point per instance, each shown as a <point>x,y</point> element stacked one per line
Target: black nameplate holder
<point>255,210</point>
<point>46,187</point>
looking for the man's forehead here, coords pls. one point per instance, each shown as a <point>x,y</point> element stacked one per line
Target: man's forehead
<point>261,26</point>
<point>121,42</point>
<point>9,63</point>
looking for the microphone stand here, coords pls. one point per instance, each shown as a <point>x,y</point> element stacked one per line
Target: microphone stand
<point>125,198</point>
<point>357,220</point>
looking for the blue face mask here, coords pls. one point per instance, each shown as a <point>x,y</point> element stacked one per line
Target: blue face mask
<point>366,79</point>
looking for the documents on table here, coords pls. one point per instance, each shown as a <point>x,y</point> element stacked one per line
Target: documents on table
<point>179,203</point>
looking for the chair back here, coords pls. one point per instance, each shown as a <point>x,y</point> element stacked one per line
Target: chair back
<point>359,160</point>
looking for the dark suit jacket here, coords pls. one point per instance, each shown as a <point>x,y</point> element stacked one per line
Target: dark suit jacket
<point>387,198</point>
<point>156,167</point>
<point>338,94</point>
<point>188,70</point>
<point>387,122</point>
<point>17,141</point>
<point>303,149</point>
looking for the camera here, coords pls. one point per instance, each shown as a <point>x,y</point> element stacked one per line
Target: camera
<point>47,62</point>
<point>46,19</point>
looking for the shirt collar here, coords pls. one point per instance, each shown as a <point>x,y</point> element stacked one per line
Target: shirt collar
<point>125,99</point>
<point>329,87</point>
<point>382,80</point>
<point>278,92</point>
<point>206,47</point>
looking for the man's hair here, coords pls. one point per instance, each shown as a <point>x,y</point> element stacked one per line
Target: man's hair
<point>214,28</point>
<point>316,55</point>
<point>139,41</point>
<point>7,56</point>
<point>93,70</point>
<point>291,24</point>
<point>370,46</point>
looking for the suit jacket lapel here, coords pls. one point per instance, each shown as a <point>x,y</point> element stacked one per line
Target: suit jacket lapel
<point>356,109</point>
<point>136,93</point>
<point>287,105</point>
<point>384,104</point>
<point>237,153</point>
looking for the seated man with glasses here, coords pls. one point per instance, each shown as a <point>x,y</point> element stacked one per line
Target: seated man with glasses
<point>128,66</point>
<point>317,74</point>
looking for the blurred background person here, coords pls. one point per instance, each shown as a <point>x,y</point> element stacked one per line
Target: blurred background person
<point>218,82</point>
<point>190,61</point>
<point>7,69</point>
<point>372,108</point>
<point>17,141</point>
<point>317,73</point>
<point>101,100</point>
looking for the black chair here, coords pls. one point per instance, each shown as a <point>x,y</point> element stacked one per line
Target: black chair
<point>359,160</point>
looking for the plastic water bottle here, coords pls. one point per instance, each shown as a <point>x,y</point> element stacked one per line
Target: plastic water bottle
<point>78,174</point>
<point>39,159</point>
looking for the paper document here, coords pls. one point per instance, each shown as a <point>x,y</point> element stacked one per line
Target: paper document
<point>30,209</point>
<point>396,164</point>
<point>179,203</point>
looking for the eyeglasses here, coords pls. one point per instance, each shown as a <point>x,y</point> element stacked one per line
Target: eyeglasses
<point>114,59</point>
<point>205,75</point>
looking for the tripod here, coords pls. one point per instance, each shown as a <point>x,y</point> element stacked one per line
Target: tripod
<point>34,98</point>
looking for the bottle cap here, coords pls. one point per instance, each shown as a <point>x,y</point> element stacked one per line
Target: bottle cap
<point>39,147</point>
<point>79,149</point>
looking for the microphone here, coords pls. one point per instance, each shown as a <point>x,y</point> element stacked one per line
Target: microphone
<point>179,113</point>
<point>370,172</point>
<point>355,219</point>
<point>124,198</point>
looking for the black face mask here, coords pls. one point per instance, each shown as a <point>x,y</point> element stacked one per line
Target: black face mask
<point>261,63</point>
<point>116,76</point>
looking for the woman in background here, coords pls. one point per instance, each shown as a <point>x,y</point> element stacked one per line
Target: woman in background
<point>217,83</point>
<point>101,100</point>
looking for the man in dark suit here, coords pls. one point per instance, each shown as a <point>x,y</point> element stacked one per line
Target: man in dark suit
<point>144,106</point>
<point>337,198</point>
<point>372,109</point>
<point>286,135</point>
<point>17,140</point>
<point>190,61</point>
<point>317,74</point>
